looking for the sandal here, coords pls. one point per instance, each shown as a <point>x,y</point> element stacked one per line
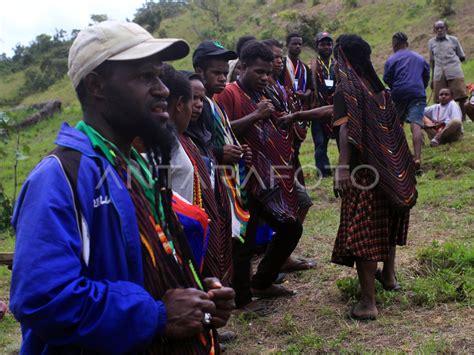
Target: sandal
<point>297,264</point>
<point>256,308</point>
<point>280,278</point>
<point>395,287</point>
<point>272,292</point>
<point>434,142</point>
<point>418,169</point>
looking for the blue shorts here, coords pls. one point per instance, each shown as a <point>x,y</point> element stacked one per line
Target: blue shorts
<point>411,111</point>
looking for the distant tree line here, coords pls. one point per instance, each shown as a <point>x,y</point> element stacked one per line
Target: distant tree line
<point>44,60</point>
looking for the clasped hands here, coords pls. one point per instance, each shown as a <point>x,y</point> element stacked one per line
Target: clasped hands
<point>185,308</point>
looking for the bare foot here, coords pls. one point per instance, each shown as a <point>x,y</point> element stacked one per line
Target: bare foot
<point>364,311</point>
<point>388,280</point>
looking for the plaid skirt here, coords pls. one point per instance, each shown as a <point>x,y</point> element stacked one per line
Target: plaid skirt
<point>368,227</point>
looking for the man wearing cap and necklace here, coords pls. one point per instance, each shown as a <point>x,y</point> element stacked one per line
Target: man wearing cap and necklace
<point>101,263</point>
<point>212,134</point>
<point>325,83</point>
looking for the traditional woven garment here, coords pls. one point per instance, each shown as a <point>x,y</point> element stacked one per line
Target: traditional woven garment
<point>378,136</point>
<point>231,175</point>
<point>218,260</point>
<point>271,178</point>
<point>286,102</point>
<point>372,219</point>
<point>368,226</point>
<point>295,78</point>
<point>167,259</point>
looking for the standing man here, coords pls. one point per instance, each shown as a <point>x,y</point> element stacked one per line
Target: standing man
<point>101,262</point>
<point>446,55</point>
<point>407,74</point>
<point>297,75</point>
<point>325,83</point>
<point>298,79</point>
<point>210,60</point>
<point>271,193</point>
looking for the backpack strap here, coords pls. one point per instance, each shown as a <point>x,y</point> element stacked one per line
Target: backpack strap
<point>70,160</point>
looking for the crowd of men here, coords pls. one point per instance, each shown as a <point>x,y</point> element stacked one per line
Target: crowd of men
<point>137,232</point>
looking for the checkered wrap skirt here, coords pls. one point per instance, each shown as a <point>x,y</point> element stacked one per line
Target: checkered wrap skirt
<point>368,227</point>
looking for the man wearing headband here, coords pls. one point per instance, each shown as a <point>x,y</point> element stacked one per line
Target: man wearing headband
<point>101,262</point>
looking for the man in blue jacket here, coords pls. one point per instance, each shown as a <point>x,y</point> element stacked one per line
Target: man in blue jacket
<point>407,73</point>
<point>101,263</point>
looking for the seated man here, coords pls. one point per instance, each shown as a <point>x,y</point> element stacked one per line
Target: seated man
<point>443,121</point>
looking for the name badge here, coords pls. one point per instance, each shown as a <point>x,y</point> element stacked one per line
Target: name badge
<point>296,84</point>
<point>329,83</point>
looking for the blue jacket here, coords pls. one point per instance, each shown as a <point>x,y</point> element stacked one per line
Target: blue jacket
<point>78,287</point>
<point>407,73</point>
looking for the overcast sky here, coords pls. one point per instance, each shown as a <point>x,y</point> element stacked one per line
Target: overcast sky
<point>21,21</point>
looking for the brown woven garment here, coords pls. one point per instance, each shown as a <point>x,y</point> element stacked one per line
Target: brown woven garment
<point>271,178</point>
<point>218,259</point>
<point>369,226</point>
<point>162,271</point>
<point>378,137</point>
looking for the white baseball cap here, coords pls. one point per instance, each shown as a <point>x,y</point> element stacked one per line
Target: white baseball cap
<point>118,40</point>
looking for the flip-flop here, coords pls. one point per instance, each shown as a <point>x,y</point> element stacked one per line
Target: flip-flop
<point>257,308</point>
<point>272,292</point>
<point>298,264</point>
<point>378,277</point>
<point>280,278</point>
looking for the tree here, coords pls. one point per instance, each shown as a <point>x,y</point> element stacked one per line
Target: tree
<point>98,18</point>
<point>149,16</point>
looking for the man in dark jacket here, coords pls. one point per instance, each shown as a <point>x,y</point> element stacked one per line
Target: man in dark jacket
<point>407,73</point>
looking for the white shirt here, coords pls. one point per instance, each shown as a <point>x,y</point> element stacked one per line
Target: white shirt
<point>182,174</point>
<point>444,113</point>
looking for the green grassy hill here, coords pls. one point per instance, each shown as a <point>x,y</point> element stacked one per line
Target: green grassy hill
<point>375,20</point>
<point>430,315</point>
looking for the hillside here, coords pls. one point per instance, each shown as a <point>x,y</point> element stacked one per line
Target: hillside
<point>433,313</point>
<point>375,20</point>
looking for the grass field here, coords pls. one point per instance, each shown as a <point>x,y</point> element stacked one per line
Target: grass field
<point>433,313</point>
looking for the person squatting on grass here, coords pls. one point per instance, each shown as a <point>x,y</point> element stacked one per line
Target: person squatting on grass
<point>469,105</point>
<point>101,261</point>
<point>375,177</point>
<point>443,122</point>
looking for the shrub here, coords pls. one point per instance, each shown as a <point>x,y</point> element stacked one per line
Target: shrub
<point>351,3</point>
<point>444,7</point>
<point>305,25</point>
<point>6,210</point>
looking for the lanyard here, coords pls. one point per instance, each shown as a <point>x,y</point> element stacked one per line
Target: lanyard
<point>327,67</point>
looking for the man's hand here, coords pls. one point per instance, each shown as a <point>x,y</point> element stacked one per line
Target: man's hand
<point>231,154</point>
<point>224,299</point>
<point>185,310</point>
<point>247,154</point>
<point>342,181</point>
<point>285,121</point>
<point>264,109</point>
